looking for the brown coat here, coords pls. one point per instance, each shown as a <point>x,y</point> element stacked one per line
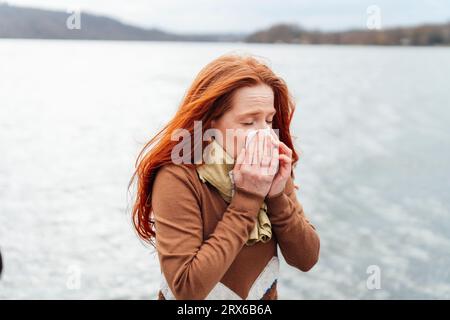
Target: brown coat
<point>201,239</point>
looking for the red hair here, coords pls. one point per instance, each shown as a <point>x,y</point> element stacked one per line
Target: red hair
<point>207,99</point>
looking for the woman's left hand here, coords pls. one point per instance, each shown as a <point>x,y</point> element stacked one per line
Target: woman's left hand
<point>284,155</point>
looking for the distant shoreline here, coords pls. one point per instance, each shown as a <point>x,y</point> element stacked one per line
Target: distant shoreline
<point>229,42</point>
<point>32,23</point>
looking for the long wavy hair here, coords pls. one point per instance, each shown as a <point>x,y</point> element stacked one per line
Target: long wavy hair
<point>207,99</point>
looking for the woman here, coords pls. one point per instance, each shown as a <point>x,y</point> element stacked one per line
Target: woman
<point>203,235</point>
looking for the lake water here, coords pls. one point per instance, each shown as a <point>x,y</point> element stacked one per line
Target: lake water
<point>373,127</point>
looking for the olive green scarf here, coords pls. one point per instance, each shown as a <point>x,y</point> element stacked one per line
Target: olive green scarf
<point>217,170</point>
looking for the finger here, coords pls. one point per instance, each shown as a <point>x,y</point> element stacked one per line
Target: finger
<point>274,163</point>
<point>268,145</point>
<point>285,149</point>
<point>274,136</point>
<point>275,150</point>
<point>260,150</point>
<point>267,152</point>
<point>264,143</point>
<point>255,156</point>
<point>249,152</point>
<point>285,159</point>
<point>240,159</point>
<point>285,165</point>
<point>275,142</point>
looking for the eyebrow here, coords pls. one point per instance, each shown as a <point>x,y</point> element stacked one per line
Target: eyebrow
<point>252,113</point>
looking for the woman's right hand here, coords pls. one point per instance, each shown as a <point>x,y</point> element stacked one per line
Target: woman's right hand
<point>256,166</point>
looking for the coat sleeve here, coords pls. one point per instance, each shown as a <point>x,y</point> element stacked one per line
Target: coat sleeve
<point>297,238</point>
<point>192,265</point>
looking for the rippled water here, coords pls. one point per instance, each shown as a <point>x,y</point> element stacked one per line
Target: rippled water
<point>372,125</point>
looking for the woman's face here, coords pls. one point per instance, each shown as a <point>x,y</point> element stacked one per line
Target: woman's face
<point>252,108</point>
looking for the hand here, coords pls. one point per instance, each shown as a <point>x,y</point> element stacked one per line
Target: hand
<point>255,168</point>
<point>284,154</point>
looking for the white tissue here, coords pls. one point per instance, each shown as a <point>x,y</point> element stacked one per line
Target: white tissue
<point>253,132</point>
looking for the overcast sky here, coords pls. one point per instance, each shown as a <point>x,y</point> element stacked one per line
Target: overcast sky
<point>201,16</point>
